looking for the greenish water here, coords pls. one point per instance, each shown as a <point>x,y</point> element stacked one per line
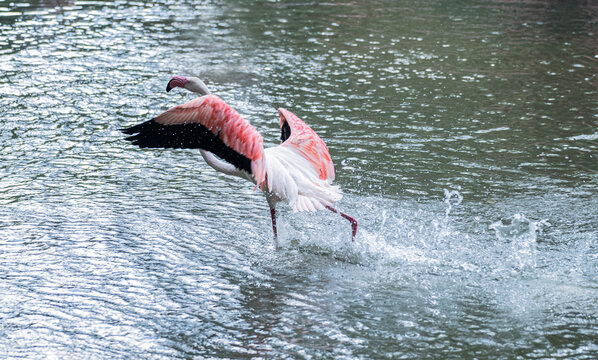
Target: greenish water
<point>465,138</point>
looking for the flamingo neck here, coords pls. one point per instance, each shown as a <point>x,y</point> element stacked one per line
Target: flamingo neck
<point>197,86</point>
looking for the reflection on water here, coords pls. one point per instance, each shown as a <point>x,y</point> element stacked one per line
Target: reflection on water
<point>464,137</point>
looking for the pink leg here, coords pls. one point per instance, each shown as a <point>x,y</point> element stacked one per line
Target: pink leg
<point>351,219</point>
<point>273,214</point>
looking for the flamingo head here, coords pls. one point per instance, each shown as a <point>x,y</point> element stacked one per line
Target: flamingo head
<point>191,83</point>
<point>176,81</point>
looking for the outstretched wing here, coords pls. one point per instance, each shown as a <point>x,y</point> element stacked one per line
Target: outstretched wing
<point>297,135</point>
<point>206,123</point>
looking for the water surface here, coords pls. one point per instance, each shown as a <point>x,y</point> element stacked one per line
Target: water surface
<point>465,138</point>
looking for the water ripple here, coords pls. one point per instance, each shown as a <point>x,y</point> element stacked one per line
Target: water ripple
<point>107,251</point>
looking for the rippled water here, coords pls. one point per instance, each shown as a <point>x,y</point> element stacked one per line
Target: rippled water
<point>465,137</point>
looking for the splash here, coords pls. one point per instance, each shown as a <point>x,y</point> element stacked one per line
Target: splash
<point>397,233</point>
<point>410,237</point>
<point>448,195</point>
<point>522,234</point>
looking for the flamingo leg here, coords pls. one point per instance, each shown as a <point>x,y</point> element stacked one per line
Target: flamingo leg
<point>273,215</point>
<point>351,219</point>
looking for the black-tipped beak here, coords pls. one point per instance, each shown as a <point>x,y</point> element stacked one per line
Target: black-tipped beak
<point>168,87</point>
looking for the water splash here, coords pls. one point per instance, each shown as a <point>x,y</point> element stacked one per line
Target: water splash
<point>522,234</point>
<point>448,195</point>
<point>392,233</point>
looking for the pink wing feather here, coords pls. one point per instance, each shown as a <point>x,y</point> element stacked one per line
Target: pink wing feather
<point>308,143</point>
<point>226,123</point>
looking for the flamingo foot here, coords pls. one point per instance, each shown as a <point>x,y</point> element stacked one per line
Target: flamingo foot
<point>352,220</point>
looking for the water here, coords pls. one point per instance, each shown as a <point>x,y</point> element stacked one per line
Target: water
<point>464,136</point>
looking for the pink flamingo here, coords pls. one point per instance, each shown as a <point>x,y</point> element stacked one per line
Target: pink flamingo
<point>299,171</point>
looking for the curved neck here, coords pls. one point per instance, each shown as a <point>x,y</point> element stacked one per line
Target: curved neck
<point>197,86</point>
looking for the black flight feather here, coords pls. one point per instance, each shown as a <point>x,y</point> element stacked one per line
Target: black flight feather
<point>151,134</point>
<point>285,132</point>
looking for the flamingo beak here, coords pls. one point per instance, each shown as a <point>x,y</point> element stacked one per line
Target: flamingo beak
<point>176,81</point>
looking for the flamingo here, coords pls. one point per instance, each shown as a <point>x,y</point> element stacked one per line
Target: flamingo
<point>299,171</point>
